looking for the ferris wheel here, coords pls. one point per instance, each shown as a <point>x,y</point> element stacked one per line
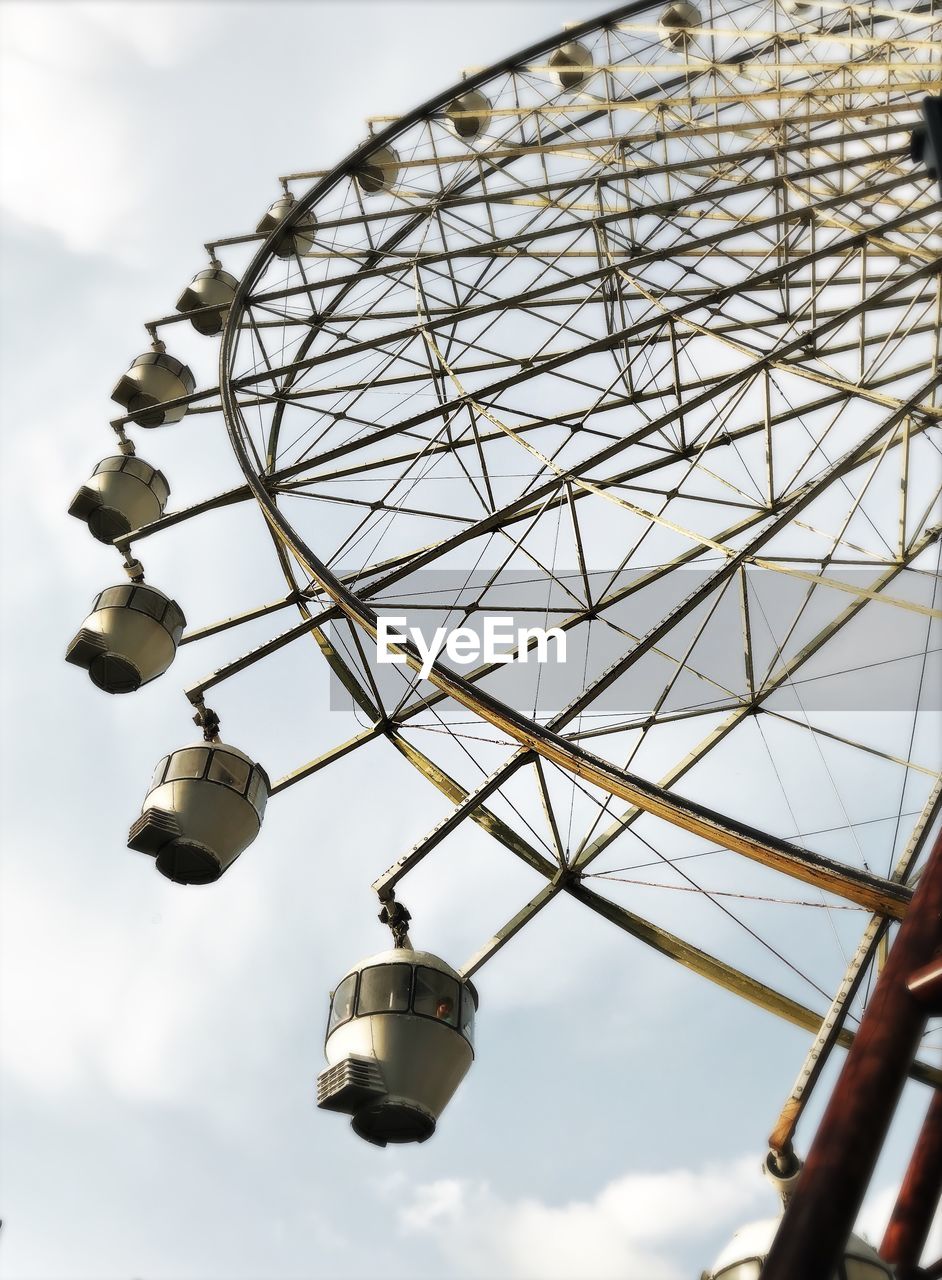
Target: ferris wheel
<point>634,335</point>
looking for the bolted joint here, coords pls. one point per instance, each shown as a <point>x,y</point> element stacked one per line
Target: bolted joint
<point>208,721</point>
<point>782,1168</point>
<point>567,876</point>
<point>397,917</point>
<point>125,445</point>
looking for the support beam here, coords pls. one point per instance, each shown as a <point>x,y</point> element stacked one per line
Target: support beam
<point>821,1212</point>
<point>724,975</point>
<point>780,1140</point>
<point>469,804</point>
<point>239,619</point>
<point>512,927</point>
<point>873,892</point>
<point>478,813</point>
<point>328,757</point>
<point>918,1198</point>
<point>397,337</point>
<point>653,935</point>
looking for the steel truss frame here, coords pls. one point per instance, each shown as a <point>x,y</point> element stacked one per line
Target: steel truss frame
<point>832,218</point>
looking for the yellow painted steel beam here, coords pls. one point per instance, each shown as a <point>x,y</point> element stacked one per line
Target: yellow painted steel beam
<point>724,975</point>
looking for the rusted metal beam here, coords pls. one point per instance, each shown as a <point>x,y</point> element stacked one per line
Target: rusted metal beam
<point>780,1140</point>
<point>821,1212</point>
<point>918,1198</point>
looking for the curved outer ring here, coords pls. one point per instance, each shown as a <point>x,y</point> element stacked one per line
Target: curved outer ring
<point>870,891</point>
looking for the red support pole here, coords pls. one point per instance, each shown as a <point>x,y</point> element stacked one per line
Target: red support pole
<point>908,1231</point>
<point>821,1213</point>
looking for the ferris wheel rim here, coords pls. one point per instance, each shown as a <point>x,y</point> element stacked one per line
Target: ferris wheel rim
<point>347,166</point>
<point>711,162</point>
<point>528,734</point>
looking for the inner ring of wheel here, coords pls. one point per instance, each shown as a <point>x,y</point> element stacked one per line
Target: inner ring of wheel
<point>873,892</point>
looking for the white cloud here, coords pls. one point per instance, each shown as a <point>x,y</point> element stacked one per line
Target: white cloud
<point>79,1019</point>
<point>643,1226</point>
<point>159,34</point>
<point>65,36</point>
<point>632,1230</point>
<point>118,986</point>
<point>65,156</point>
<point>75,143</point>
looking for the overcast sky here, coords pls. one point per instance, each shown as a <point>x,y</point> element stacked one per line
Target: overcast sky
<point>159,1047</point>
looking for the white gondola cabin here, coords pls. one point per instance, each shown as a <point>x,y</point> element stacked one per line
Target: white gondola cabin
<point>124,493</point>
<point>468,114</point>
<point>572,65</point>
<point>153,379</point>
<point>214,288</point>
<point>744,1256</point>
<point>379,171</point>
<point>129,638</point>
<point>399,1042</point>
<point>204,806</point>
<point>677,21</point>
<point>298,238</point>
